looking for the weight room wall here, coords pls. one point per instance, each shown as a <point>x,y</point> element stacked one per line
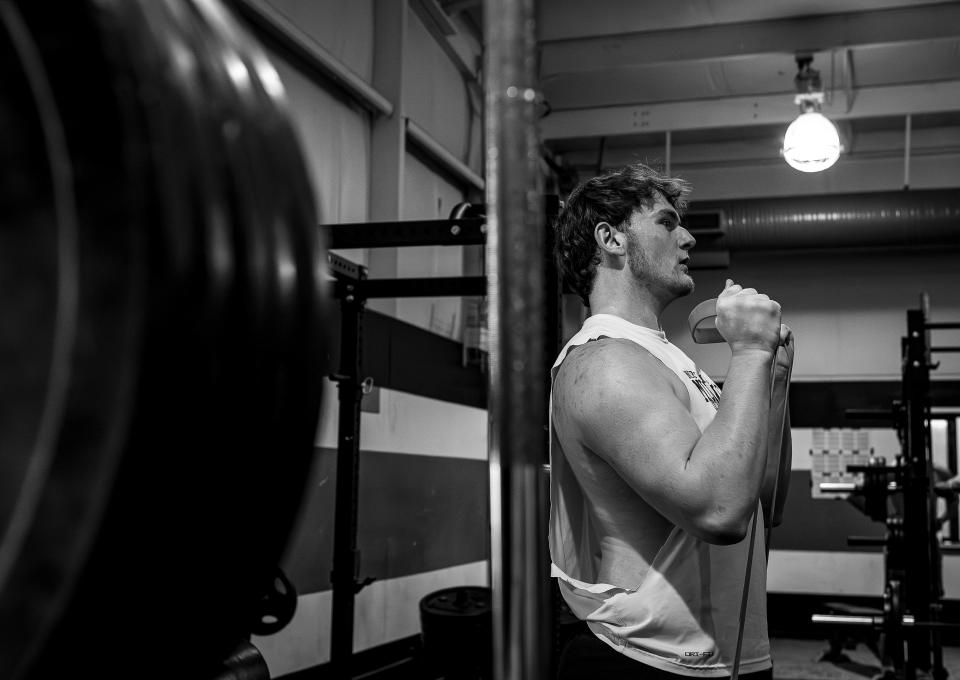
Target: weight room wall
<point>848,312</point>
<point>334,133</point>
<point>436,97</point>
<point>422,497</point>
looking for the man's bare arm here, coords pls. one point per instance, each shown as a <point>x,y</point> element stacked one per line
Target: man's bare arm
<point>626,407</point>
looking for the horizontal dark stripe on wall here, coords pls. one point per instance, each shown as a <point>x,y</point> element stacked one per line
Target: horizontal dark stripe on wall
<point>404,357</point>
<point>820,524</point>
<point>416,514</point>
<point>401,356</point>
<point>823,404</point>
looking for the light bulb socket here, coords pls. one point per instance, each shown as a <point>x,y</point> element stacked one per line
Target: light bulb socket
<point>809,101</point>
<point>807,80</point>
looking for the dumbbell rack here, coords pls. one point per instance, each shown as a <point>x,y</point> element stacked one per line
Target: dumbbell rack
<point>912,555</point>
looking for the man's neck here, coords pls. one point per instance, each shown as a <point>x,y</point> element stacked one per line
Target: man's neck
<point>629,298</point>
<point>637,311</point>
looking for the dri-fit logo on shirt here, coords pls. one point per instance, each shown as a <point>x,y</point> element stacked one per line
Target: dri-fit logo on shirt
<point>706,387</point>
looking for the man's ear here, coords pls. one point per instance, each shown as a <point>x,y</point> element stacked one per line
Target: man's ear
<point>610,239</point>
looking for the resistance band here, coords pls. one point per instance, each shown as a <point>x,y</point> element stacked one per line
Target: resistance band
<point>703,328</point>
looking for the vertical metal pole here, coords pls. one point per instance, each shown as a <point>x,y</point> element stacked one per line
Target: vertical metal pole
<point>952,463</point>
<point>343,576</point>
<point>922,579</point>
<point>516,398</point>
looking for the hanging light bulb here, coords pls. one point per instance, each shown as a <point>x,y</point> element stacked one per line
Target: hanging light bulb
<point>811,143</point>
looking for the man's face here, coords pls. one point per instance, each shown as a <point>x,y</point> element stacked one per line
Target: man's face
<point>657,249</point>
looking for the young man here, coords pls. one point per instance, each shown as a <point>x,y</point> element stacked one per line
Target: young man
<point>656,475</point>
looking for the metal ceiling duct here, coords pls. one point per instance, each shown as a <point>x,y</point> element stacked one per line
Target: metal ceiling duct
<point>900,219</point>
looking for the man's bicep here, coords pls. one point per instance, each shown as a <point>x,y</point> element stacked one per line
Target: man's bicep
<point>634,419</point>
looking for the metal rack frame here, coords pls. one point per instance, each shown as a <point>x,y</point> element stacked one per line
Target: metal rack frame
<point>353,288</point>
<point>912,553</point>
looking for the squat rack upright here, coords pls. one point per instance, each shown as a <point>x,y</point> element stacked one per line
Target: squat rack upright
<point>352,288</point>
<point>912,599</point>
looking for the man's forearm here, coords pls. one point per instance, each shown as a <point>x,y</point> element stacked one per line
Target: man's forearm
<point>731,454</point>
<point>779,452</point>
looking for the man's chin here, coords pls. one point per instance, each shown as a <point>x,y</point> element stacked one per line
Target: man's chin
<point>684,286</point>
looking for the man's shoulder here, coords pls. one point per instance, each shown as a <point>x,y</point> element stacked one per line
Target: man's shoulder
<point>605,351</point>
<point>617,363</point>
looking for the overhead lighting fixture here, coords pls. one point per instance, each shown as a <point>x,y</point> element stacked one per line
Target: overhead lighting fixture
<point>811,143</point>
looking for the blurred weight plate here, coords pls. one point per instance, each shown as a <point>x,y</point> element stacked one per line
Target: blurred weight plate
<point>163,342</point>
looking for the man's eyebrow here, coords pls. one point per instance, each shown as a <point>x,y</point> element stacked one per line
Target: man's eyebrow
<point>667,212</point>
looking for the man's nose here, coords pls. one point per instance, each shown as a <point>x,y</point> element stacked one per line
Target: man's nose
<point>686,239</point>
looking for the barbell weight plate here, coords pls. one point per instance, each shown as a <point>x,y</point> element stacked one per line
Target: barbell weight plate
<point>198,370</point>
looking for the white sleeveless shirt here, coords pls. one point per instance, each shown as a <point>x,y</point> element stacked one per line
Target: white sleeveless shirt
<point>683,617</point>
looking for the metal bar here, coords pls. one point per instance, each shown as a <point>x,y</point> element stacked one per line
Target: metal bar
<point>941,325</point>
<point>906,150</point>
<point>462,232</point>
<point>271,23</point>
<point>907,621</point>
<point>942,350</point>
<point>342,268</point>
<point>439,153</point>
<point>954,535</point>
<point>453,286</point>
<point>839,487</point>
<point>517,409</point>
<point>343,575</point>
<point>860,620</point>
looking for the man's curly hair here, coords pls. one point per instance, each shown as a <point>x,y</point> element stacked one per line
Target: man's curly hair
<point>608,198</point>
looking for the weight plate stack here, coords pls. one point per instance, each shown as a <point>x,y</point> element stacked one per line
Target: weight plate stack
<point>164,340</point>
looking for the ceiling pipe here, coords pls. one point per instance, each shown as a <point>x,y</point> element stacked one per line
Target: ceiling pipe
<point>898,219</point>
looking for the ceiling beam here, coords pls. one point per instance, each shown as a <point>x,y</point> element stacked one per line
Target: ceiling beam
<point>746,111</point>
<point>780,36</point>
<point>558,19</point>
